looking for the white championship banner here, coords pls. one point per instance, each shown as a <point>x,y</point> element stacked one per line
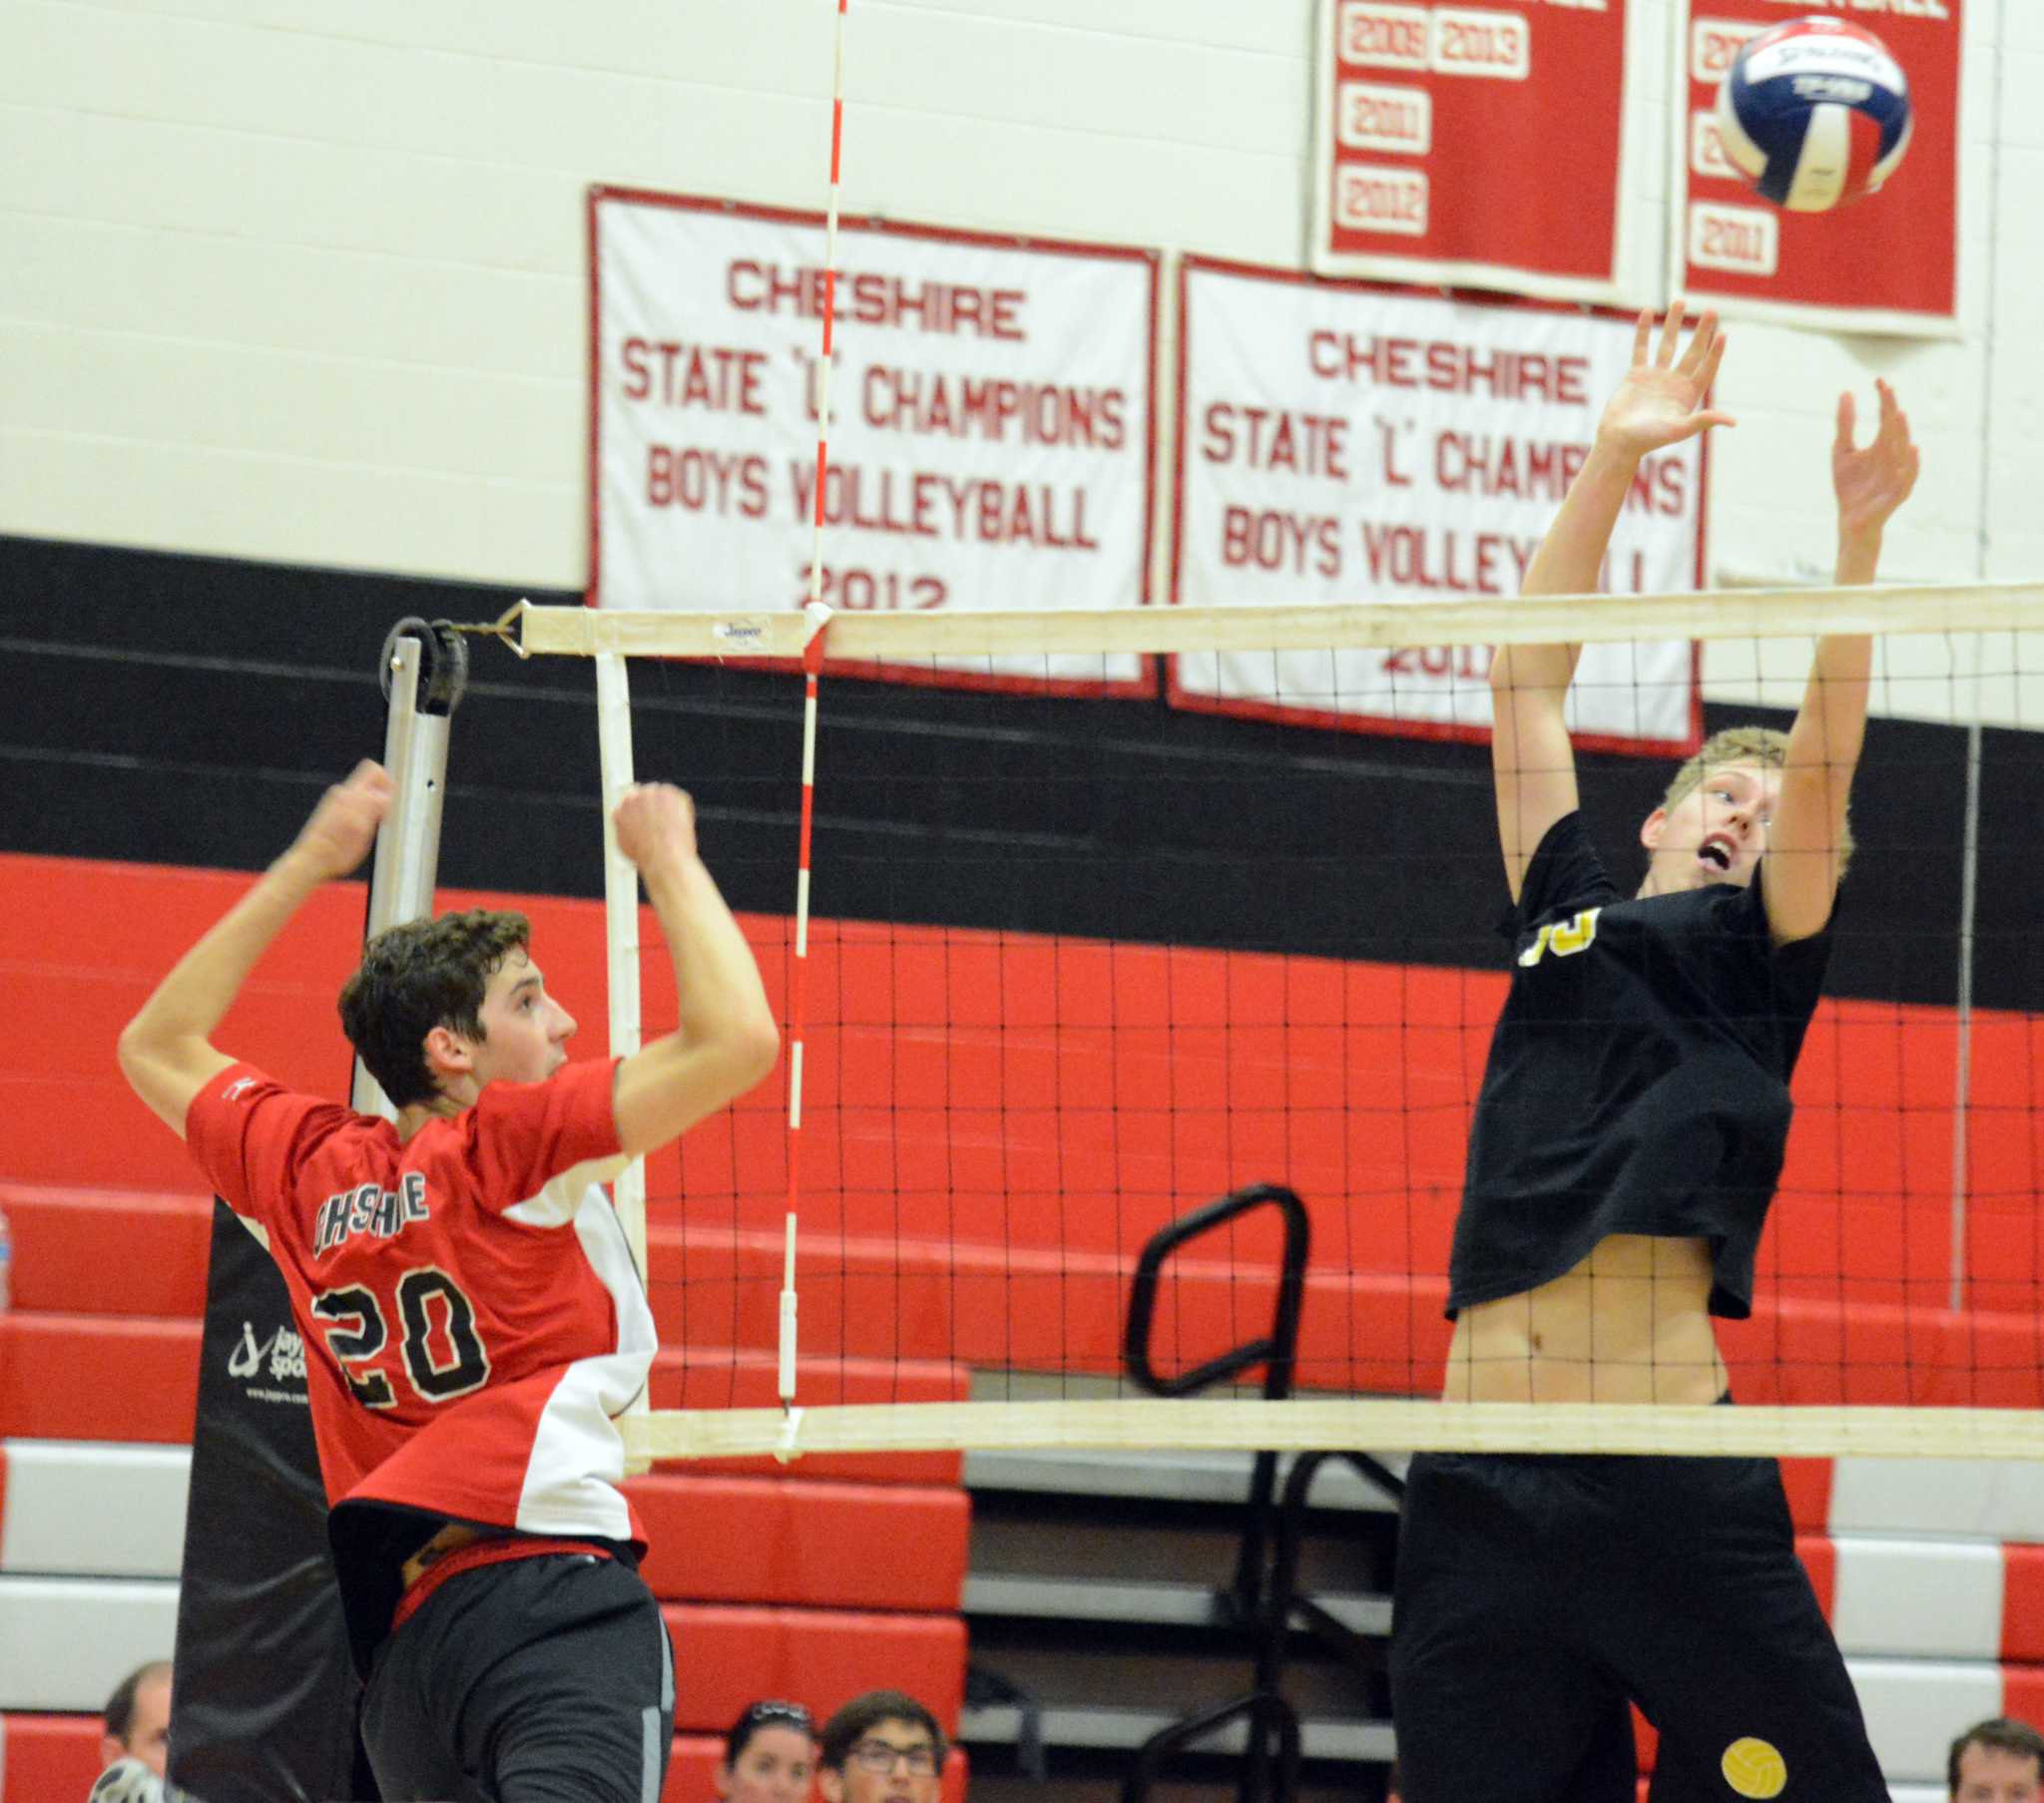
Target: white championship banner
<point>1345,443</point>
<point>990,437</point>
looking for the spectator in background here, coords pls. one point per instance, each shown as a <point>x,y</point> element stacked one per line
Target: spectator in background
<point>882,1748</point>
<point>139,1717</point>
<point>1997,1761</point>
<point>769,1755</point>
<point>136,1743</point>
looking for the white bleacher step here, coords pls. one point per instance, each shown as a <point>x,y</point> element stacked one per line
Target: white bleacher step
<point>1114,1730</point>
<point>64,1642</point>
<point>1148,1604</point>
<point>1180,1477</point>
<point>1914,1706</point>
<point>1942,1499</point>
<point>92,1508</point>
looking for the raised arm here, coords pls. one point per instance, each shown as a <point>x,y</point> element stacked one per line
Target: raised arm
<point>1659,403</point>
<point>166,1050</point>
<point>1823,744</point>
<point>728,1038</point>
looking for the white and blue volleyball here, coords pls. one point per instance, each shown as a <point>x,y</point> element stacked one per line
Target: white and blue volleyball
<point>1815,113</point>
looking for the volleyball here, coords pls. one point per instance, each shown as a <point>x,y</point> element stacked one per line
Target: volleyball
<point>1815,113</point>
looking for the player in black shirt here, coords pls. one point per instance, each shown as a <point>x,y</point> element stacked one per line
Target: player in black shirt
<point>1626,1145</point>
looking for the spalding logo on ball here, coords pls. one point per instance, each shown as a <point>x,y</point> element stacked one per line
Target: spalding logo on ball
<point>1815,113</point>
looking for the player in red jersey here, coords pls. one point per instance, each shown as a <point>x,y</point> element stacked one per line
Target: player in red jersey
<point>472,1315</point>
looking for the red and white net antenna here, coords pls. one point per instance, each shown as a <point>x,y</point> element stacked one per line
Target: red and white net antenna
<point>812,665</point>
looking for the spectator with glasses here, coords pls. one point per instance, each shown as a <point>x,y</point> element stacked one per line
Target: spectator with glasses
<point>882,1748</point>
<point>769,1755</point>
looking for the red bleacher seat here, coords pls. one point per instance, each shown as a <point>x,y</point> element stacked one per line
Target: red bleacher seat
<point>845,1546</point>
<point>98,1377</point>
<point>48,1758</point>
<point>725,1658</point>
<point>107,1252</point>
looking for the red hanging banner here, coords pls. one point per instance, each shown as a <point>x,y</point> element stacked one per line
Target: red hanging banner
<point>1479,144</point>
<point>1885,263</point>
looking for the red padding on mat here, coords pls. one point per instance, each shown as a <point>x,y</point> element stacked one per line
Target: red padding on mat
<point>727,1657</point>
<point>48,1758</point>
<point>109,1251</point>
<point>1809,1484</point>
<point>826,1545</point>
<point>691,1777</point>
<point>2022,1692</point>
<point>2022,1606</point>
<point>98,1377</point>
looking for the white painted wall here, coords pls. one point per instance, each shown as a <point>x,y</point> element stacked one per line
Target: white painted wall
<point>304,282</point>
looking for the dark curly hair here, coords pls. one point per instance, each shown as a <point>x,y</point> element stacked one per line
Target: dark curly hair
<point>413,977</point>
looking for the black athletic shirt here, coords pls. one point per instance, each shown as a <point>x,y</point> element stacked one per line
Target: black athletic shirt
<point>1638,1080</point>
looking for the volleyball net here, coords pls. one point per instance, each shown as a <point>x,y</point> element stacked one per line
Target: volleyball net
<point>1071,977</point>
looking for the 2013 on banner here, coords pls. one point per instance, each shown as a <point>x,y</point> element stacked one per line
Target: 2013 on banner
<point>1453,144</point>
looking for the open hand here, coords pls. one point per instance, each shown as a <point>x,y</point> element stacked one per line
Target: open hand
<point>1661,400</point>
<point>1875,479</point>
<point>343,826</point>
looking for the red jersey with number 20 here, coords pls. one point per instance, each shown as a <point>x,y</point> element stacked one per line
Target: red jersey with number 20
<point>472,1316</point>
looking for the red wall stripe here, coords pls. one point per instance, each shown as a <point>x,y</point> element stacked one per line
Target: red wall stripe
<point>1067,1097</point>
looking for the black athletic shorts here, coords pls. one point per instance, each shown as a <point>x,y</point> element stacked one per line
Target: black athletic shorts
<point>538,1680</point>
<point>1537,1595</point>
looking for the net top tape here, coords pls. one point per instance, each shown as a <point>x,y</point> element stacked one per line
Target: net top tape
<point>1545,620</point>
<point>1313,1425</point>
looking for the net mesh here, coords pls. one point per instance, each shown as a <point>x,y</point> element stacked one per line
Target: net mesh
<point>1080,967</point>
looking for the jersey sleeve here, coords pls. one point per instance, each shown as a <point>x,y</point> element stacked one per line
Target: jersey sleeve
<point>1566,872</point>
<point>247,1133</point>
<point>1795,971</point>
<point>524,1135</point>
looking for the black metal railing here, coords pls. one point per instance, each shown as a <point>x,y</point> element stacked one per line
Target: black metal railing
<point>1273,1747</point>
<point>1287,1610</point>
<point>1271,1757</point>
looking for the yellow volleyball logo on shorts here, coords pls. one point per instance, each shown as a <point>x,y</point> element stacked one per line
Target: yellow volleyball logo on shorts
<point>1755,1768</point>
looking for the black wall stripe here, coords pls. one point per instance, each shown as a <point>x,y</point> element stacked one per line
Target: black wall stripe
<point>186,709</point>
